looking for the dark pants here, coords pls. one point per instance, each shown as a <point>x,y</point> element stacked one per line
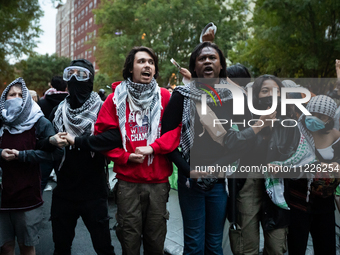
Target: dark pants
<point>64,216</point>
<point>45,170</point>
<point>141,212</point>
<point>322,228</point>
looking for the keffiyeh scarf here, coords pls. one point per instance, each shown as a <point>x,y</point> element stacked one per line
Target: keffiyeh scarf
<point>77,121</point>
<point>319,104</point>
<point>26,117</point>
<point>144,99</point>
<point>275,186</point>
<point>193,94</point>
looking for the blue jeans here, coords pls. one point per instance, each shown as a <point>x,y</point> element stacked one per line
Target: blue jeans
<point>204,215</point>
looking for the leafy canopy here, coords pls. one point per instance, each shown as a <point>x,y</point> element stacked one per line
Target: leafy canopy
<point>38,70</point>
<point>170,27</point>
<point>292,38</point>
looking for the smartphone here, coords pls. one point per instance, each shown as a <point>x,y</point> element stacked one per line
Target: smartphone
<point>176,64</point>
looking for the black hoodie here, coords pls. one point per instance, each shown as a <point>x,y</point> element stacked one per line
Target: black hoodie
<point>49,102</point>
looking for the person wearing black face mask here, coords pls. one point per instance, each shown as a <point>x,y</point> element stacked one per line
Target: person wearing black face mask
<point>82,181</point>
<point>272,143</point>
<point>80,91</point>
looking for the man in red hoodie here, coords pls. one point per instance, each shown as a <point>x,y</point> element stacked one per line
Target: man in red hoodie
<point>136,108</point>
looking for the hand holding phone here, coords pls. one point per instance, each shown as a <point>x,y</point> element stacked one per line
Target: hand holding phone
<point>175,63</point>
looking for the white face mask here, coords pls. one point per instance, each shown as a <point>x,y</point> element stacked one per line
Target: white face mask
<point>11,109</point>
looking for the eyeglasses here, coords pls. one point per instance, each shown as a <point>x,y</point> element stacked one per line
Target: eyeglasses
<point>81,73</point>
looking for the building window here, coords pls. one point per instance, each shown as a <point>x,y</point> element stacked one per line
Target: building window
<point>95,3</point>
<point>75,6</point>
<point>86,25</point>
<point>90,6</point>
<point>87,10</point>
<point>75,33</point>
<point>85,54</point>
<point>90,22</point>
<point>90,35</point>
<point>75,19</point>
<point>94,48</point>
<point>79,16</point>
<point>94,65</point>
<point>85,38</point>
<point>94,33</point>
<point>82,13</point>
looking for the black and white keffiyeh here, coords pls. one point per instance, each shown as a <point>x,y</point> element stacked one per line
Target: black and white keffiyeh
<point>193,94</point>
<point>26,117</point>
<point>77,121</point>
<point>144,99</point>
<point>318,104</point>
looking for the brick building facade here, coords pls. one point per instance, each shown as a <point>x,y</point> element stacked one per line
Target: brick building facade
<point>78,17</point>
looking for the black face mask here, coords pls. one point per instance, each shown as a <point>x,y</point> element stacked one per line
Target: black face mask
<point>265,102</point>
<point>79,91</point>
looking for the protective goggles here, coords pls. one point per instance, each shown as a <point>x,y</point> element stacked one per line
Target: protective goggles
<point>81,73</point>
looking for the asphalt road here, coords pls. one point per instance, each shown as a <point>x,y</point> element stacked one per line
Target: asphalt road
<point>82,244</point>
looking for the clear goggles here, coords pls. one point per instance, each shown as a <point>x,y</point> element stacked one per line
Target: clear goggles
<point>81,73</point>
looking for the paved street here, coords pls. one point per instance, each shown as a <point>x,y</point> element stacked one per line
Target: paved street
<point>82,244</point>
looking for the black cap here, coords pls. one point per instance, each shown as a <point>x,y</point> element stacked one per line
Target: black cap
<point>84,63</point>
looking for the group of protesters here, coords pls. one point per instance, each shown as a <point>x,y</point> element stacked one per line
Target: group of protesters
<point>143,128</point>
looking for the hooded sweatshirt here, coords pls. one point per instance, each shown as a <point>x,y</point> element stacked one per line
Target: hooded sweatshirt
<point>161,167</point>
<point>50,101</point>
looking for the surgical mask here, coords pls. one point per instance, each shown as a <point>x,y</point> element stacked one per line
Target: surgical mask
<point>12,108</point>
<point>314,124</point>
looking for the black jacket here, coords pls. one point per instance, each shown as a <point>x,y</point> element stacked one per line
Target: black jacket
<point>82,175</point>
<point>49,102</point>
<point>281,145</point>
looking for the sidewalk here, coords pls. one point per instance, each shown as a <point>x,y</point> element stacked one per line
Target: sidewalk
<point>174,240</point>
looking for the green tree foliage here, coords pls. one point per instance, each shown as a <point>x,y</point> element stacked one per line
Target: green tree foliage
<point>6,74</point>
<point>292,38</point>
<point>101,81</point>
<point>170,27</point>
<point>19,26</point>
<point>38,70</point>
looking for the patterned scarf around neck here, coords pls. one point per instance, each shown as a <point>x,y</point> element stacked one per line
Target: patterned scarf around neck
<point>319,104</point>
<point>77,121</point>
<point>192,94</point>
<point>24,119</point>
<point>144,99</point>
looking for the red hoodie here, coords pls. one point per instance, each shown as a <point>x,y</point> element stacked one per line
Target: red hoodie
<point>161,167</point>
